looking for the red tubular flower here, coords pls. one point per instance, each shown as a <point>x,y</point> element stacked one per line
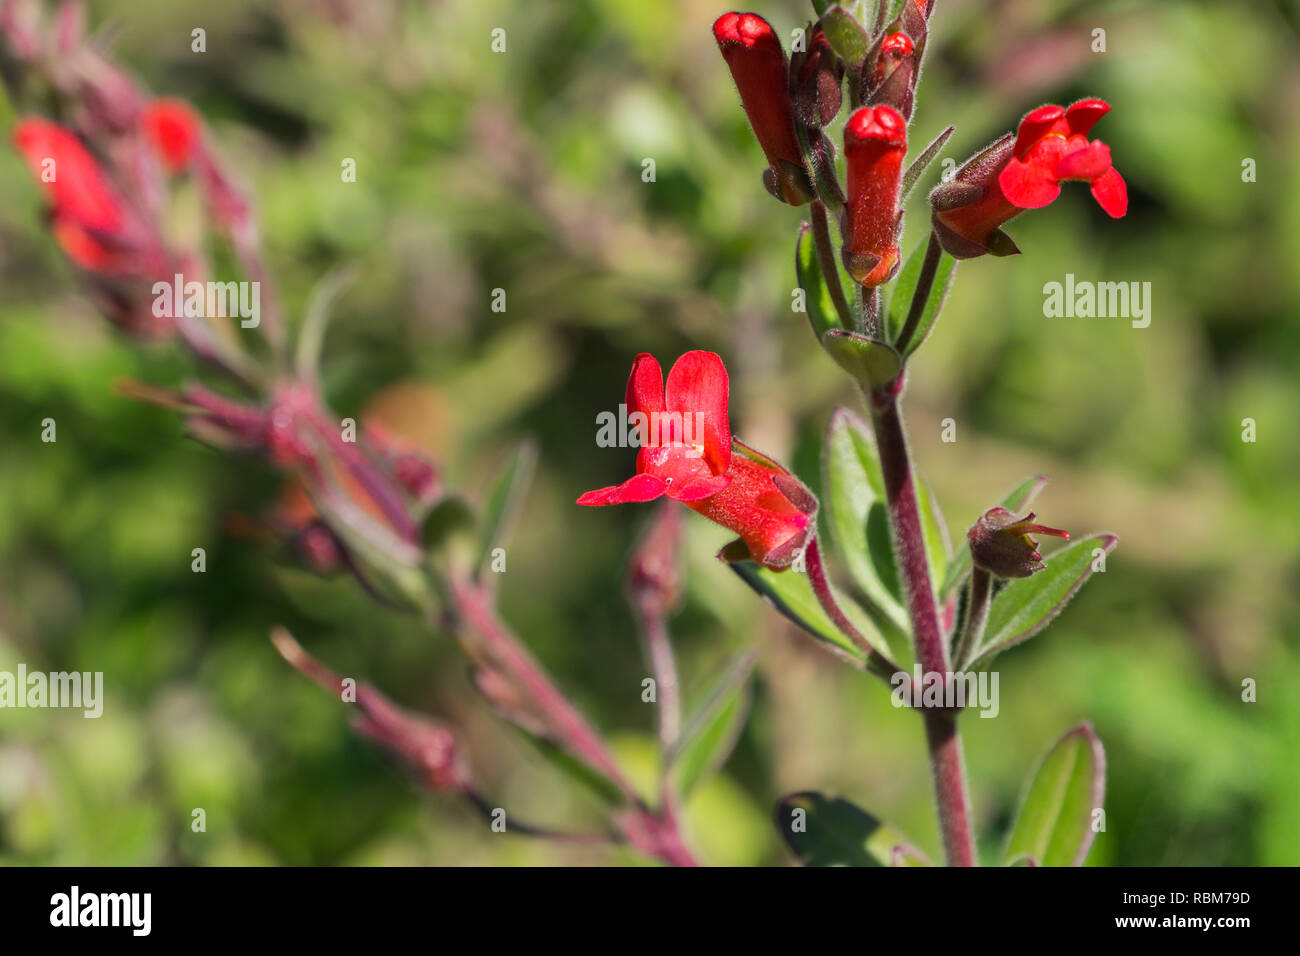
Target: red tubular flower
<point>689,455</point>
<point>1051,147</point>
<point>875,142</point>
<point>87,217</point>
<point>758,65</point>
<point>174,131</point>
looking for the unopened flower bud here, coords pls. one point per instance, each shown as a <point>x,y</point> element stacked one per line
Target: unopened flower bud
<point>1000,543</point>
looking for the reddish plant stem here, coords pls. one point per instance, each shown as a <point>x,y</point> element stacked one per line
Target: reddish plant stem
<point>877,663</point>
<point>653,833</point>
<point>826,259</point>
<point>946,763</point>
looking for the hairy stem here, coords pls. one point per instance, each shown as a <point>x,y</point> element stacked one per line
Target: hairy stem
<point>877,663</point>
<point>826,258</point>
<point>925,282</point>
<point>977,615</point>
<point>946,762</point>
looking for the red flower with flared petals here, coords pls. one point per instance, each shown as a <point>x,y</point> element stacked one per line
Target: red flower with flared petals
<point>1052,147</point>
<point>687,454</point>
<point>1012,175</point>
<point>682,428</point>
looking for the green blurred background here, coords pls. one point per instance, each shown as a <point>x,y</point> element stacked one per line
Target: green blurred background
<point>523,170</point>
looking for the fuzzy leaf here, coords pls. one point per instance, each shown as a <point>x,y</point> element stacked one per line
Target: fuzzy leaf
<point>711,735</point>
<point>1054,824</point>
<point>831,831</point>
<point>853,501</point>
<point>504,501</point>
<point>846,36</point>
<point>1027,605</point>
<point>922,163</point>
<point>1019,498</point>
<point>791,593</point>
<point>871,362</point>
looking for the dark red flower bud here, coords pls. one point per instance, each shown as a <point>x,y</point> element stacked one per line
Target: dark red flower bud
<point>1025,172</point>
<point>1000,543</point>
<point>758,65</point>
<point>875,142</point>
<point>816,75</point>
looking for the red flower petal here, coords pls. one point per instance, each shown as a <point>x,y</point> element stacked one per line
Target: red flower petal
<point>1111,192</point>
<point>174,130</point>
<point>645,391</point>
<point>1037,124</point>
<point>1083,115</point>
<point>1083,161</point>
<point>697,489</point>
<point>1028,185</point>
<point>79,189</point>
<point>697,383</point>
<point>636,488</point>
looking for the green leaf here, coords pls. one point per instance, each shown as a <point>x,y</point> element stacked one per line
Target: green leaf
<point>504,501</point>
<point>1027,605</point>
<point>959,568</point>
<point>900,300</point>
<point>846,36</point>
<point>791,593</point>
<point>853,493</point>
<point>709,737</point>
<point>1054,824</point>
<point>871,362</point>
<point>934,530</point>
<point>831,831</point>
<point>575,769</point>
<point>922,163</point>
<point>821,307</point>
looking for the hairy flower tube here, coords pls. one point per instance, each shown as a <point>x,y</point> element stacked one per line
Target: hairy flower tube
<point>1012,175</point>
<point>688,454</point>
<point>758,66</point>
<point>1000,543</point>
<point>875,142</point>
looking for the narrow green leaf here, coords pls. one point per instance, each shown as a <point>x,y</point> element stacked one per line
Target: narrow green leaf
<point>1054,825</point>
<point>504,501</point>
<point>709,737</point>
<point>817,296</point>
<point>574,769</point>
<point>846,36</point>
<point>934,530</point>
<point>1019,498</point>
<point>791,594</point>
<point>871,362</point>
<point>831,831</point>
<point>852,490</point>
<point>922,162</point>
<point>900,300</point>
<point>1027,605</point>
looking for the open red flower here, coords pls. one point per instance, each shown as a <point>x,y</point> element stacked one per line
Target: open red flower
<point>875,142</point>
<point>1012,175</point>
<point>688,453</point>
<point>87,217</point>
<point>174,131</point>
<point>758,65</point>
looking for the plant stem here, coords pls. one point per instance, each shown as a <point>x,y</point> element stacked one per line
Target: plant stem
<point>977,615</point>
<point>826,258</point>
<point>946,762</point>
<point>877,663</point>
<point>924,282</point>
